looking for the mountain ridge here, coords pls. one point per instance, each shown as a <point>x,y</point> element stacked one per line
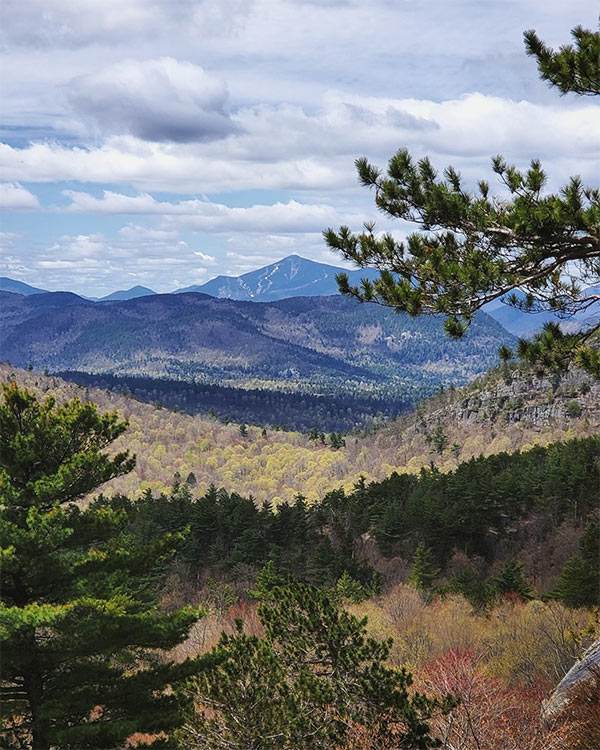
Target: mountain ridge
<point>18,287</point>
<point>292,276</point>
<point>333,341</point>
<point>131,293</point>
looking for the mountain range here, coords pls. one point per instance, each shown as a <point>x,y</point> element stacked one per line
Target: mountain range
<point>295,276</point>
<point>332,341</point>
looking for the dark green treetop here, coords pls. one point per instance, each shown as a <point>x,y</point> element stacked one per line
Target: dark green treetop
<point>314,676</point>
<point>78,625</point>
<point>533,250</point>
<point>579,582</point>
<point>423,571</point>
<point>572,68</point>
<point>510,580</point>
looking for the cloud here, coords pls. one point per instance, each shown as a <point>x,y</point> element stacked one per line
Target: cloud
<point>8,239</point>
<point>14,197</point>
<point>155,100</point>
<point>206,216</point>
<point>63,23</point>
<point>284,147</point>
<point>96,264</point>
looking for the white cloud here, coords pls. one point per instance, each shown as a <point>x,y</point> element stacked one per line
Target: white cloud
<point>309,87</point>
<point>96,264</point>
<point>287,148</point>
<point>155,100</point>
<point>206,216</point>
<point>208,260</point>
<point>14,197</point>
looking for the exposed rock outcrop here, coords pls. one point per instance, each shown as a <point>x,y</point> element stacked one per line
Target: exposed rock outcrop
<point>580,684</point>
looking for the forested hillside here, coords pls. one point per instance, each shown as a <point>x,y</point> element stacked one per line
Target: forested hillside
<point>505,411</point>
<point>303,410</point>
<point>485,577</point>
<point>330,342</point>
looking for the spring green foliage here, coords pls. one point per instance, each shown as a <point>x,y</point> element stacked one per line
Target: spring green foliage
<point>472,248</point>
<point>76,613</point>
<point>350,591</point>
<point>313,676</point>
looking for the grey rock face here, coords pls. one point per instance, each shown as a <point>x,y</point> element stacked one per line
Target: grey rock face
<point>585,672</point>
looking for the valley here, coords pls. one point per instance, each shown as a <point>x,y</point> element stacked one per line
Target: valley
<point>324,345</point>
<point>498,413</point>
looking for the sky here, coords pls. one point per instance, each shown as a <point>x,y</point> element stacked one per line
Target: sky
<point>164,142</point>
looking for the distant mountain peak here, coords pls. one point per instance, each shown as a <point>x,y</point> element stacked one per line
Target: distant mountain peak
<point>124,294</point>
<point>292,276</point>
<point>18,287</point>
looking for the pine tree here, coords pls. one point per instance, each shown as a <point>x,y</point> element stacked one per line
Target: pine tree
<point>571,69</point>
<point>268,579</point>
<point>423,571</point>
<point>438,439</point>
<point>535,252</point>
<point>579,582</point>
<point>76,614</point>
<point>510,580</point>
<point>347,589</point>
<point>313,676</point>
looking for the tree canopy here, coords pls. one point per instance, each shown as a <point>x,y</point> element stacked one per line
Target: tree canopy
<point>311,680</point>
<point>77,617</point>
<point>532,250</point>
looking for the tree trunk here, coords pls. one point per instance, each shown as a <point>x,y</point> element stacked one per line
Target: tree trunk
<point>39,725</point>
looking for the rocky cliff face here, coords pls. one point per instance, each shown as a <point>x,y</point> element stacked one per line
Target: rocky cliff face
<point>514,396</point>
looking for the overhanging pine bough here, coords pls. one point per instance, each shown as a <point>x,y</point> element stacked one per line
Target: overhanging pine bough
<point>472,247</point>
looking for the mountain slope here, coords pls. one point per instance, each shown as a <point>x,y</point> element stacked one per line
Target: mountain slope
<point>521,323</point>
<point>330,343</point>
<point>18,287</point>
<point>290,277</point>
<point>121,294</point>
<point>326,340</point>
<point>495,413</point>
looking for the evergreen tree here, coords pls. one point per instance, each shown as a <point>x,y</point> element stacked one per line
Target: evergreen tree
<point>534,252</point>
<point>579,582</point>
<point>510,580</point>
<point>268,579</point>
<point>571,69</point>
<point>313,676</point>
<point>347,589</point>
<point>76,614</point>
<point>423,571</point>
<point>466,583</point>
<point>438,439</point>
